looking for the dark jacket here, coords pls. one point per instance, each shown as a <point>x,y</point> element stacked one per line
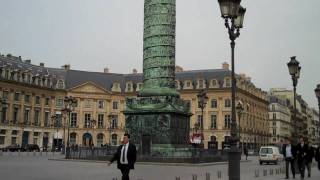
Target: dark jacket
<point>310,154</point>
<point>302,152</point>
<point>317,155</point>
<point>293,151</point>
<point>131,156</point>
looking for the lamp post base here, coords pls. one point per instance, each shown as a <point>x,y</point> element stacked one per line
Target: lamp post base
<point>234,163</point>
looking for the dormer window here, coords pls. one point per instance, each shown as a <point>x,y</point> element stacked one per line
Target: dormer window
<point>187,84</point>
<point>7,73</point>
<point>60,84</point>
<point>116,87</point>
<point>139,86</point>
<point>201,84</point>
<point>177,84</point>
<point>129,87</point>
<point>214,83</point>
<point>227,82</point>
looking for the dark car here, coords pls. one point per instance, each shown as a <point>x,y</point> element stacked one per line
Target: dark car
<point>12,148</point>
<point>30,147</point>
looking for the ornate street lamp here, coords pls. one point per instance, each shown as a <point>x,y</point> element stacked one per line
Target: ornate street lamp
<point>69,105</point>
<point>317,91</point>
<point>294,71</point>
<point>233,14</point>
<point>240,109</point>
<point>202,102</point>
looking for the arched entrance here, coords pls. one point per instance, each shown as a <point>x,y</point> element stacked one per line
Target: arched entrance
<point>87,139</point>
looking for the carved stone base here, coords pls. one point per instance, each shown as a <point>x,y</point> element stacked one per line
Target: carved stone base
<point>159,126</point>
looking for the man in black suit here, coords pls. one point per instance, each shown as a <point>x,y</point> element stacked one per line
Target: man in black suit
<point>289,154</point>
<point>317,156</point>
<point>125,156</point>
<point>302,151</point>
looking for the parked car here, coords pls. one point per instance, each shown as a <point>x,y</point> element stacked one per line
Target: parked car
<point>12,148</point>
<point>30,147</point>
<point>269,154</point>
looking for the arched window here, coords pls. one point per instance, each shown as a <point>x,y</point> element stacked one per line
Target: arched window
<point>114,139</point>
<point>73,138</point>
<point>99,139</point>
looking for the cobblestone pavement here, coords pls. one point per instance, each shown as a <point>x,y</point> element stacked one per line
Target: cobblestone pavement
<point>32,166</point>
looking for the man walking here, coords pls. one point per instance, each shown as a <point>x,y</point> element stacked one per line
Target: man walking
<point>289,155</point>
<point>317,156</point>
<point>309,157</point>
<point>302,151</point>
<point>125,156</point>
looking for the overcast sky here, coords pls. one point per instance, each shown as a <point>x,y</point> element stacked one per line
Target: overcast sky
<point>93,34</point>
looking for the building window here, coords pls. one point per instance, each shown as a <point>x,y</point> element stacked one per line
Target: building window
<point>114,139</point>
<point>47,101</point>
<point>36,117</point>
<point>2,139</point>
<point>87,120</point>
<point>188,103</point>
<point>17,96</point>
<point>214,83</point>
<point>26,116</point>
<point>115,105</point>
<point>5,95</point>
<point>100,139</point>
<point>129,87</point>
<point>38,100</point>
<point>188,84</point>
<point>273,107</point>
<point>100,120</point>
<point>114,122</point>
<point>14,132</point>
<point>73,122</point>
<point>13,140</point>
<point>228,82</point>
<point>227,121</point>
<point>27,98</point>
<point>200,84</point>
<point>274,132</point>
<point>213,121</point>
<point>59,102</point>
<point>100,104</point>
<point>274,116</point>
<point>46,119</point>
<point>73,138</point>
<point>60,84</point>
<point>15,115</point>
<point>3,131</point>
<point>227,103</point>
<point>274,123</point>
<point>214,103</point>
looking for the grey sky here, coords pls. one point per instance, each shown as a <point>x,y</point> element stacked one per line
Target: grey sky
<point>93,34</point>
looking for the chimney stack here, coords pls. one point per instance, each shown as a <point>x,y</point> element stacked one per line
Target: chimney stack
<point>42,64</point>
<point>28,61</point>
<point>106,70</point>
<point>66,67</point>
<point>225,66</point>
<point>179,69</point>
<point>135,71</point>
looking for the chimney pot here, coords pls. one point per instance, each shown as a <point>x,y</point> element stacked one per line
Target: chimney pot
<point>225,66</point>
<point>106,70</point>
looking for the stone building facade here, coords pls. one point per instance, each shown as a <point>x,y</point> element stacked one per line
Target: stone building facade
<point>33,99</point>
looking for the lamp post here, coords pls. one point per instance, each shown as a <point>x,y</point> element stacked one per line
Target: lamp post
<point>317,91</point>
<point>240,109</point>
<point>202,102</point>
<point>233,14</point>
<point>93,124</point>
<point>69,105</point>
<point>54,123</point>
<point>294,71</point>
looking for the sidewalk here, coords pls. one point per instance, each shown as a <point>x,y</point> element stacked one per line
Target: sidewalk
<point>315,175</point>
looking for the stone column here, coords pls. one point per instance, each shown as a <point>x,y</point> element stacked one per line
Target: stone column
<point>159,48</point>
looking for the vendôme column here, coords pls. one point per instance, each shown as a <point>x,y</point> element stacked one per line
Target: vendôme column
<point>159,48</point>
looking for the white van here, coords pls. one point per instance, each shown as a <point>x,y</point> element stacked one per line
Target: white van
<point>269,154</point>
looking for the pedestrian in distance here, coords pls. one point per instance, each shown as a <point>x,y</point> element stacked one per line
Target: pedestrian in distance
<point>245,151</point>
<point>309,157</point>
<point>125,156</point>
<point>289,155</point>
<point>302,151</point>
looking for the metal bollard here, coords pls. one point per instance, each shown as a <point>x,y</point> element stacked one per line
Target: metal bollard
<point>194,177</point>
<point>219,174</point>
<point>277,171</point>
<point>46,153</point>
<point>34,153</point>
<point>271,172</point>
<point>177,178</point>
<point>265,172</point>
<point>1,153</point>
<point>114,178</point>
<point>19,153</point>
<point>207,176</point>
<point>256,173</point>
<point>40,153</point>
